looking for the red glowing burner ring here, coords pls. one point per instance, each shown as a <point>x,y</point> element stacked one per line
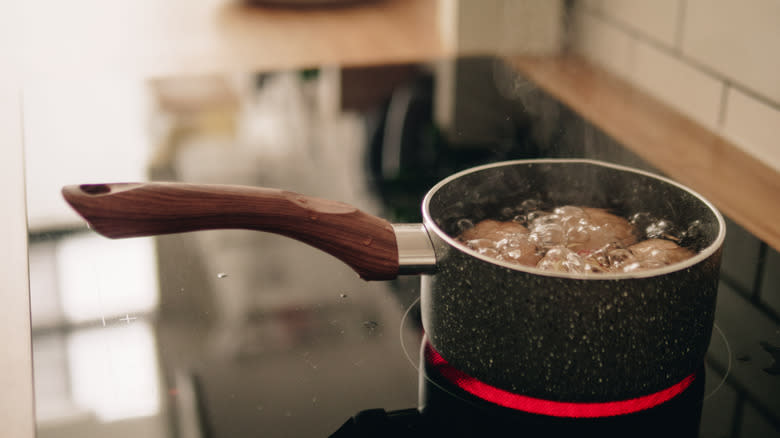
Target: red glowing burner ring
<point>547,407</point>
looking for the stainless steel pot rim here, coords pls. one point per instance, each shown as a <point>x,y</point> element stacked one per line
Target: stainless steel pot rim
<point>705,253</point>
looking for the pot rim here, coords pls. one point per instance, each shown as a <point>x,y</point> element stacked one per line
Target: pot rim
<point>702,255</point>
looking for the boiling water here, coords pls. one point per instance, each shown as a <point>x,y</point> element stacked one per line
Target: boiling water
<point>577,239</point>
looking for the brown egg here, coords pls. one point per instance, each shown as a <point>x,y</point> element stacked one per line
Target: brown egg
<point>561,259</point>
<point>506,241</point>
<point>492,229</point>
<point>572,239</point>
<point>604,228</point>
<point>655,252</point>
<point>519,249</point>
<point>547,231</point>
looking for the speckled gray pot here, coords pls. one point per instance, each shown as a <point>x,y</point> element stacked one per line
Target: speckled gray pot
<point>569,337</point>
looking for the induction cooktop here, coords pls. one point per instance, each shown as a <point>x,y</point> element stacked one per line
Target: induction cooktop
<point>237,333</point>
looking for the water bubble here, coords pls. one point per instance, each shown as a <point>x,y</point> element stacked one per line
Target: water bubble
<point>569,213</point>
<point>222,275</point>
<point>573,262</point>
<point>515,254</point>
<point>774,351</point>
<point>619,258</point>
<point>465,224</point>
<point>520,219</point>
<point>693,235</point>
<point>530,204</point>
<point>489,252</point>
<point>577,234</point>
<point>631,267</point>
<point>640,218</point>
<point>481,244</point>
<point>560,258</point>
<point>343,295</point>
<point>534,215</point>
<point>547,219</point>
<point>547,235</point>
<point>659,228</point>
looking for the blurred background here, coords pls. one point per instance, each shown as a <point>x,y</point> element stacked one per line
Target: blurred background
<point>236,333</point>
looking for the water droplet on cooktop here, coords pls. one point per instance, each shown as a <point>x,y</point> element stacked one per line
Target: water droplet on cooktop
<point>343,295</point>
<point>221,275</point>
<point>774,350</point>
<point>370,324</point>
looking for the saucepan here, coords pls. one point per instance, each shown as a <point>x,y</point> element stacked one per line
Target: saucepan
<point>560,336</point>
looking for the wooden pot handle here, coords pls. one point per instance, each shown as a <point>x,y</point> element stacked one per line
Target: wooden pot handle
<point>364,242</point>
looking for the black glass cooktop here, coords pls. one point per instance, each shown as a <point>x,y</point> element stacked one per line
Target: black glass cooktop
<point>239,333</point>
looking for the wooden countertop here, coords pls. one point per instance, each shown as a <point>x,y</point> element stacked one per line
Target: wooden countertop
<point>742,187</point>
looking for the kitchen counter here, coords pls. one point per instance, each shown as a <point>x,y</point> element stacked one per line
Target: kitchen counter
<point>741,186</point>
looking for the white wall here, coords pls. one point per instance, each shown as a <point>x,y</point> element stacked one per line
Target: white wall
<point>504,26</point>
<point>16,401</point>
<point>715,61</point>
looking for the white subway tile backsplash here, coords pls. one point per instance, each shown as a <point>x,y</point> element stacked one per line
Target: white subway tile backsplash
<point>754,126</point>
<point>725,47</point>
<point>678,84</point>
<point>656,19</point>
<point>603,43</point>
<point>739,39</point>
